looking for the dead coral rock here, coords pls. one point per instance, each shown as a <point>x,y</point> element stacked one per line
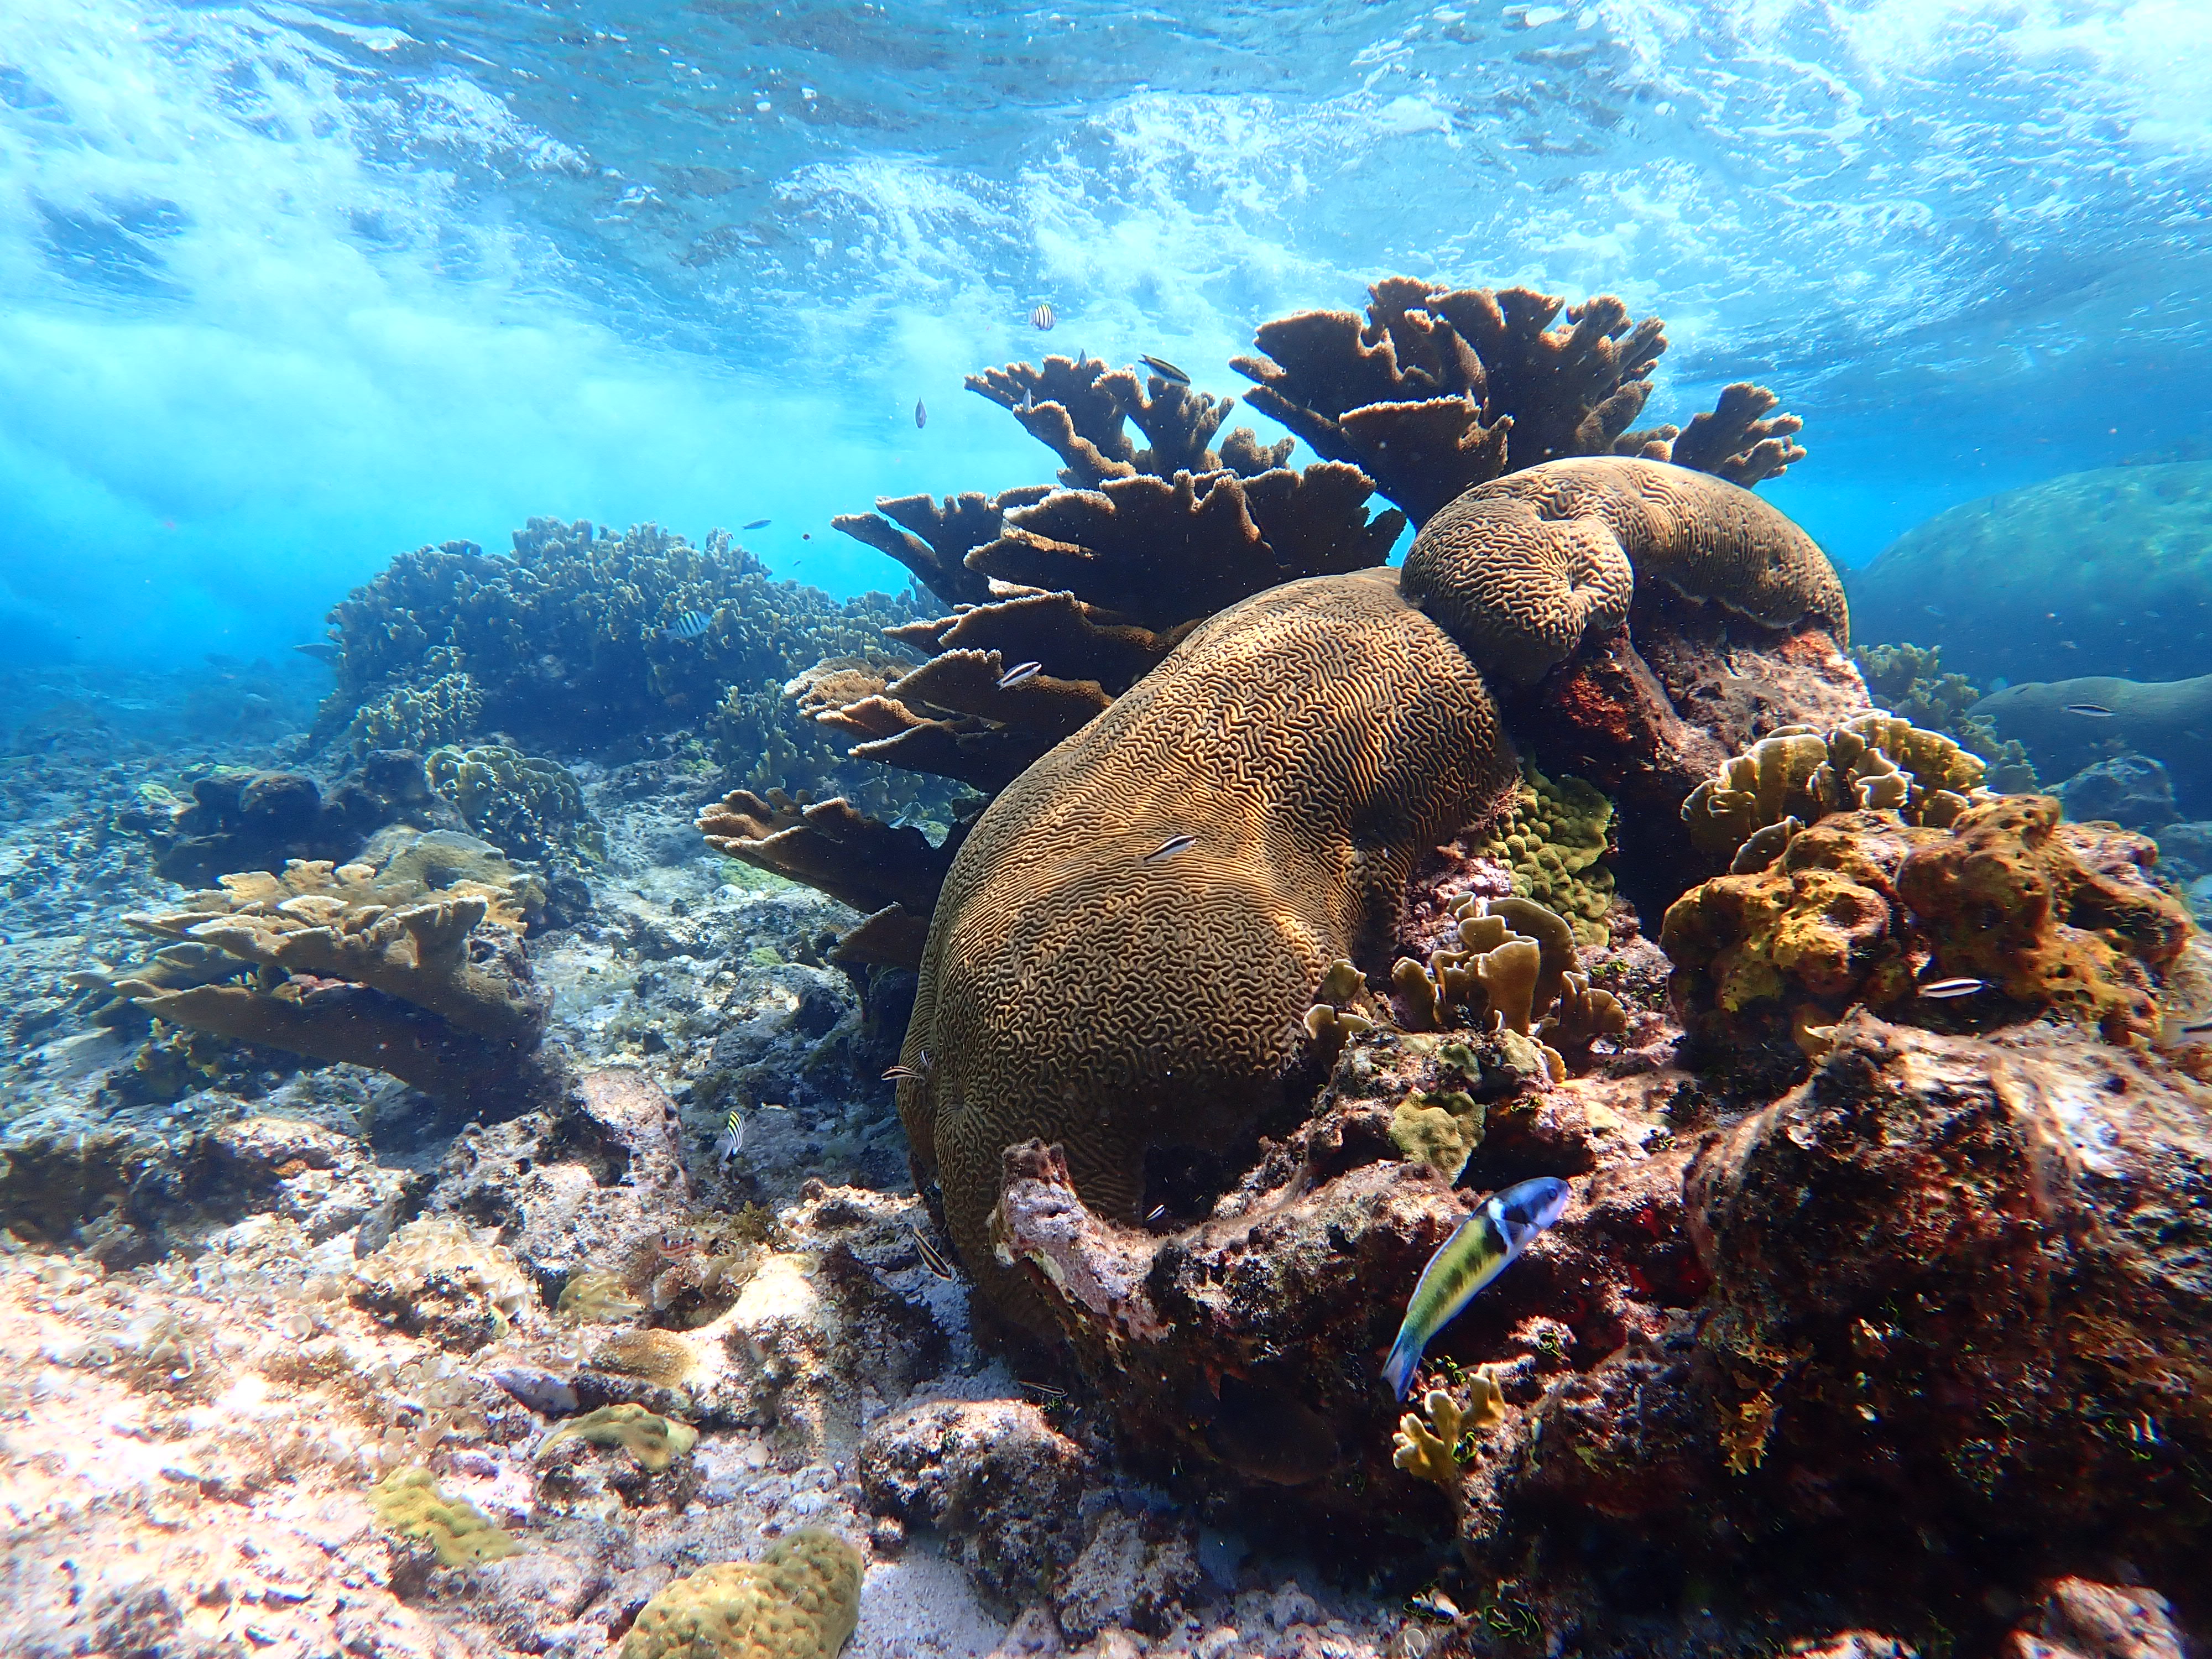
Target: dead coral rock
<point>441,1278</point>
<point>2081,1620</point>
<point>1951,1274</point>
<point>591,1184</point>
<point>1171,884</point>
<point>1135,1572</point>
<point>998,1480</point>
<point>262,820</point>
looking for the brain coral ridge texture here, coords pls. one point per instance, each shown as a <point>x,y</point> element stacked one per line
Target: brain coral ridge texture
<point>1437,390</point>
<point>1090,980</point>
<point>1522,570</point>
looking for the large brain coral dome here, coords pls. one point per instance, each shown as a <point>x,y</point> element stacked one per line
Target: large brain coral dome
<point>1081,986</point>
<point>1524,568</point>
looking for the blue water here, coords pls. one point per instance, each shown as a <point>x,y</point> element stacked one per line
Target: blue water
<point>285,288</point>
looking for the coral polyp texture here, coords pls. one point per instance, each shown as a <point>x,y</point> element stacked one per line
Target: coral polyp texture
<point>1130,937</point>
<point>800,1601</point>
<point>1436,390</point>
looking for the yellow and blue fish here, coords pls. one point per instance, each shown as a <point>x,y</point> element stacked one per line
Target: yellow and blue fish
<point>1482,1247</point>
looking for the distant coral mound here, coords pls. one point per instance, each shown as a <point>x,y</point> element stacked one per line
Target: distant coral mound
<point>2108,572</point>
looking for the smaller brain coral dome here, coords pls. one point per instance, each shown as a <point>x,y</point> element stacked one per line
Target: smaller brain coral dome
<point>1095,980</point>
<point>1523,569</point>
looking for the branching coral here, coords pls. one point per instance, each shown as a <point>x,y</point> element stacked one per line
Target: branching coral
<point>1512,964</point>
<point>1436,390</point>
<point>411,967</point>
<point>1436,1450</point>
<point>571,639</point>
<point>1796,776</point>
<point>801,1602</point>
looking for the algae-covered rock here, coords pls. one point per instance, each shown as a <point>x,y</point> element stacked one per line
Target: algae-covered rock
<point>2106,572</point>
<point>800,1601</point>
<point>441,1278</point>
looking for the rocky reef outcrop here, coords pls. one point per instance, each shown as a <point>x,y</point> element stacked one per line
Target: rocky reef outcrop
<point>2105,572</point>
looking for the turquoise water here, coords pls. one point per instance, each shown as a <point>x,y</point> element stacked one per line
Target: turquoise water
<point>286,288</point>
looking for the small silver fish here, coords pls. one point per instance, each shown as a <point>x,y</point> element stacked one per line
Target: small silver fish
<point>731,1140</point>
<point>759,524</point>
<point>1042,319</point>
<point>1164,369</point>
<point>1158,1212</point>
<point>1939,989</point>
<point>1169,847</point>
<point>2095,711</point>
<point>932,1257</point>
<point>920,1069</point>
<point>1047,1390</point>
<point>688,626</point>
<point>921,413</point>
<point>1480,1248</point>
<point>1017,673</point>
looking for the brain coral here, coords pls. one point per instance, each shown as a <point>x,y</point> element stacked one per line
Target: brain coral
<point>1524,568</point>
<point>801,1600</point>
<point>1089,980</point>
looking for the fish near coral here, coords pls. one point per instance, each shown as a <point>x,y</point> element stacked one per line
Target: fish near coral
<point>1482,1247</point>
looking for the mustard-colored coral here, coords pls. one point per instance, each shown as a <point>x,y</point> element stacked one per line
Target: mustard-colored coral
<point>530,806</point>
<point>802,1600</point>
<point>1432,1451</point>
<point>654,1441</point>
<point>408,1501</point>
<point>1554,837</point>
<point>1863,908</point>
<point>1871,761</point>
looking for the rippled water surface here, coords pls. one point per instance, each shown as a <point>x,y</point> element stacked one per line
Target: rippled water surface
<point>286,288</point>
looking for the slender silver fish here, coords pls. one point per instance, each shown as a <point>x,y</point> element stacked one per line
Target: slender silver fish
<point>1164,369</point>
<point>1169,847</point>
<point>1017,673</point>
<point>760,524</point>
<point>1482,1247</point>
<point>2095,711</point>
<point>932,1257</point>
<point>1941,988</point>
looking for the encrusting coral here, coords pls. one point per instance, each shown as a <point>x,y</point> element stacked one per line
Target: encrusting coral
<point>408,1501</point>
<point>1862,907</point>
<point>412,964</point>
<point>801,1600</point>
<point>1555,837</point>
<point>655,1442</point>
<point>1437,390</point>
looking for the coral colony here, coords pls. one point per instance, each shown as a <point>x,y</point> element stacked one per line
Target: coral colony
<point>1534,1101</point>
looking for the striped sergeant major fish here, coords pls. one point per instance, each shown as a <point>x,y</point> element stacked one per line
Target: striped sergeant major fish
<point>1482,1247</point>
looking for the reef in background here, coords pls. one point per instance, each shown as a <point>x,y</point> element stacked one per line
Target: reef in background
<point>2106,572</point>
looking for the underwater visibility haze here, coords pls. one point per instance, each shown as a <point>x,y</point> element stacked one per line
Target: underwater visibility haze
<point>1298,830</point>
